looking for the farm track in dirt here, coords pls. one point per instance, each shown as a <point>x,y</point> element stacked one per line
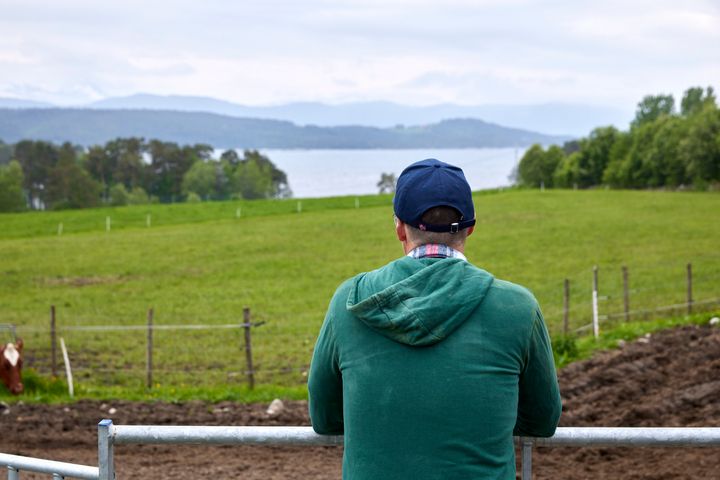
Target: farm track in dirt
<point>669,379</point>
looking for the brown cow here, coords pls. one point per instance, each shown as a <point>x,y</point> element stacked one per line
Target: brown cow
<point>11,366</point>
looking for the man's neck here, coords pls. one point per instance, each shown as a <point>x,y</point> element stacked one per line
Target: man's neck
<point>409,247</point>
<point>435,250</point>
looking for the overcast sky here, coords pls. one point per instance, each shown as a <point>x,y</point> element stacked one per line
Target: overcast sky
<point>415,52</point>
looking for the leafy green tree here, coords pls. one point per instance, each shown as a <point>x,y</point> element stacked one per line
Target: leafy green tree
<point>200,179</point>
<point>69,185</point>
<point>169,163</point>
<point>231,156</point>
<point>595,155</point>
<point>615,173</point>
<point>567,171</point>
<point>126,159</point>
<point>193,198</point>
<point>693,100</point>
<point>586,165</point>
<point>700,148</point>
<point>530,169</point>
<point>6,153</point>
<point>167,168</point>
<point>652,107</point>
<point>119,195</point>
<point>554,156</point>
<point>255,176</point>
<point>387,183</point>
<point>138,196</point>
<point>648,156</point>
<point>37,159</point>
<point>571,146</point>
<point>663,164</point>
<point>101,165</point>
<point>538,166</point>
<point>11,188</point>
<point>279,186</point>
<point>253,180</point>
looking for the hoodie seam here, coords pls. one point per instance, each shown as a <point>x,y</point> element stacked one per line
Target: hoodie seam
<point>422,324</point>
<point>411,313</point>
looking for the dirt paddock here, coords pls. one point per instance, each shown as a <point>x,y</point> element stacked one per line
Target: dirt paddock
<point>669,379</point>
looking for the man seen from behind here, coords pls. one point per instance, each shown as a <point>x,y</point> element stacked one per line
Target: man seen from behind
<point>429,365</point>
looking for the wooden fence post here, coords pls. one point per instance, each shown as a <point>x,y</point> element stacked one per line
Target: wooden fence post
<point>689,288</point>
<point>566,307</point>
<point>53,342</point>
<point>248,348</point>
<point>626,293</point>
<point>149,356</point>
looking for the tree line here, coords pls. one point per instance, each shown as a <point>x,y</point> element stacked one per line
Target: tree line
<point>663,147</point>
<point>42,175</point>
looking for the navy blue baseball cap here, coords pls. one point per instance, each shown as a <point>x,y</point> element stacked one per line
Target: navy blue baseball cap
<point>432,183</point>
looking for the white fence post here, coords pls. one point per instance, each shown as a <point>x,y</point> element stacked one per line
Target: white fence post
<point>68,370</point>
<point>596,320</point>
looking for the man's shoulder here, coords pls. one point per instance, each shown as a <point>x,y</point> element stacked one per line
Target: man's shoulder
<point>369,280</point>
<point>381,271</point>
<point>512,293</point>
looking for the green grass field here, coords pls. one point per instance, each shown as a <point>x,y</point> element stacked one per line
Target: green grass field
<point>200,264</point>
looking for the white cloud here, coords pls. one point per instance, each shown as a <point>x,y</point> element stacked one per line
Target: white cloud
<point>417,51</point>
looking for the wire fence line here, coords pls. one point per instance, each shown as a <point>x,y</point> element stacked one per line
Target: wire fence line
<point>121,328</point>
<point>108,349</point>
<point>166,354</point>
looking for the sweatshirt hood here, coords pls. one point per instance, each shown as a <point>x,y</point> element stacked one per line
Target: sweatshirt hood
<point>418,302</point>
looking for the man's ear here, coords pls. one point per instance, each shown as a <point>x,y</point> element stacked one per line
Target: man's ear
<point>400,230</point>
<point>470,230</point>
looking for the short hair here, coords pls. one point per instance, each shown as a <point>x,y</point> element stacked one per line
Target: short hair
<point>438,216</point>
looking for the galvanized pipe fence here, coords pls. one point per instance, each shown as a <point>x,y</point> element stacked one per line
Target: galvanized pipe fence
<point>58,470</point>
<point>110,435</point>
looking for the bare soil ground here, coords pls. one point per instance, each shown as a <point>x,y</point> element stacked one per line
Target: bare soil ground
<point>669,379</point>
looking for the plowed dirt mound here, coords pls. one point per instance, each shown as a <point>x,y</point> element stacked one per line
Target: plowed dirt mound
<point>671,378</point>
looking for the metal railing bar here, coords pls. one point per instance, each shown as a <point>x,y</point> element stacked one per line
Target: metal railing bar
<point>632,437</point>
<point>179,434</point>
<point>51,467</point>
<point>564,436</point>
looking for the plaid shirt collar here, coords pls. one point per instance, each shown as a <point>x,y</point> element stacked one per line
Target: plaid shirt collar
<point>435,250</point>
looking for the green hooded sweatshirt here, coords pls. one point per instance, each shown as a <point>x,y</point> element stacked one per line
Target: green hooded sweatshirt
<point>428,367</point>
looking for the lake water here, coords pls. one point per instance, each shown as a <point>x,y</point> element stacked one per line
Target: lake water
<point>325,173</point>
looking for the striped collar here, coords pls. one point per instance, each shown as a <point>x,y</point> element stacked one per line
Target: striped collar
<point>435,250</point>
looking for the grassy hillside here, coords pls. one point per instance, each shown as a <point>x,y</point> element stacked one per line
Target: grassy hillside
<point>199,264</point>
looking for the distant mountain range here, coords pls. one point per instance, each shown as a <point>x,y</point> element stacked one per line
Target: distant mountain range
<point>19,103</point>
<point>94,126</point>
<point>549,118</point>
